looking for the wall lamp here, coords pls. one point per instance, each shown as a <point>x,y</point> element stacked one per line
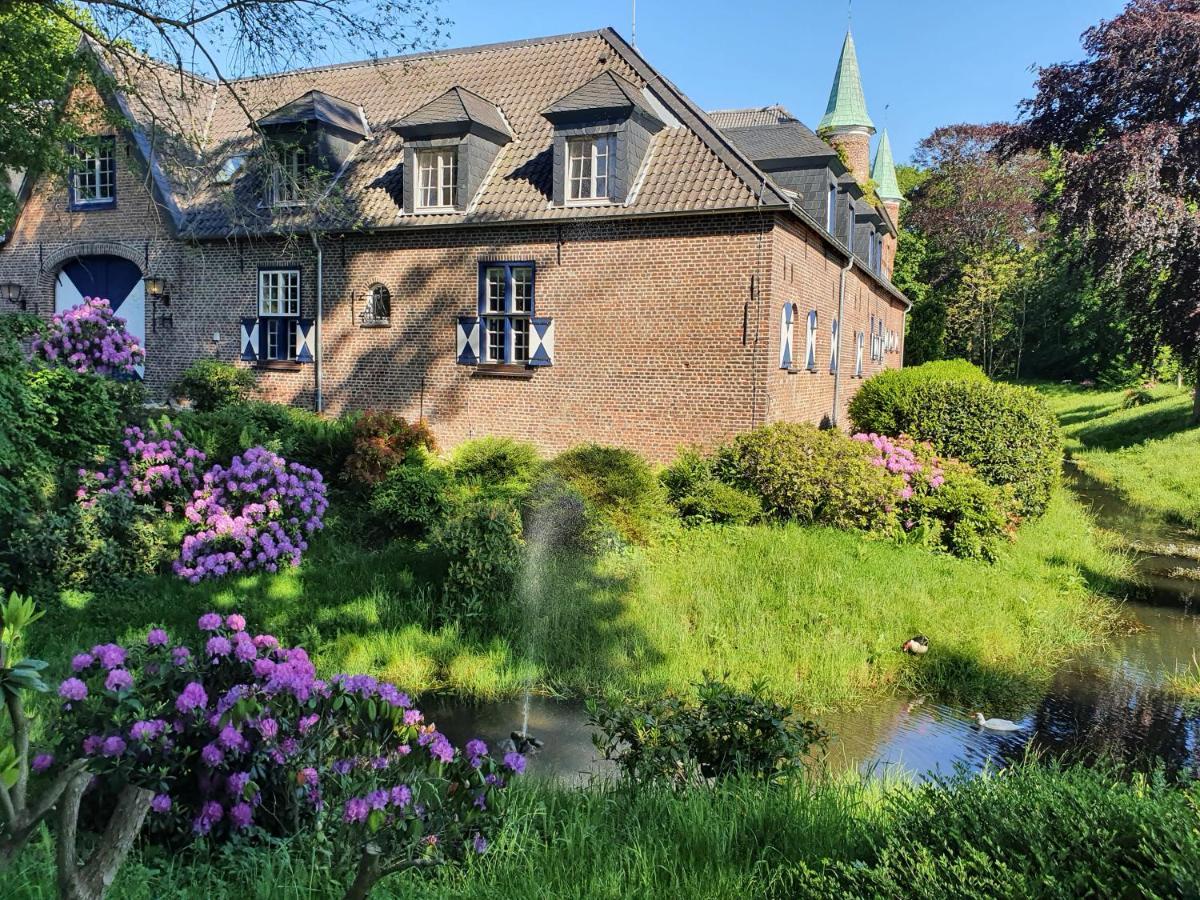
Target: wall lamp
<point>11,291</point>
<point>158,292</point>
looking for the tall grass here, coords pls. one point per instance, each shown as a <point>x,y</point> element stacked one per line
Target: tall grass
<point>1028,832</point>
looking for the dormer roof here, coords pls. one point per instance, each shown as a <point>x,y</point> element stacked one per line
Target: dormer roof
<point>458,109</point>
<point>317,106</point>
<point>606,93</point>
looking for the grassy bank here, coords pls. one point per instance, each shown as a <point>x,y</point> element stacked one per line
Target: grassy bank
<point>818,614</point>
<point>1030,832</point>
<point>1150,453</point>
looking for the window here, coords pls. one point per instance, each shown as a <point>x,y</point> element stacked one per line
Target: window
<point>831,210</point>
<point>94,174</point>
<point>278,313</point>
<point>589,168</point>
<point>437,179</point>
<point>377,312</point>
<point>785,336</point>
<point>834,349</point>
<point>506,308</point>
<point>810,344</point>
<point>858,354</point>
<point>850,225</point>
<point>289,176</point>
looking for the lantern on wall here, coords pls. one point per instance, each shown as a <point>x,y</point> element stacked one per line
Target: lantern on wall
<point>159,294</point>
<point>11,292</point>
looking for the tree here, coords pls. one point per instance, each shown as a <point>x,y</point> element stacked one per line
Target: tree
<point>1126,121</point>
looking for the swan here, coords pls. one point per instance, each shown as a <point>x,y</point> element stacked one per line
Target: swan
<point>996,724</point>
<point>917,644</point>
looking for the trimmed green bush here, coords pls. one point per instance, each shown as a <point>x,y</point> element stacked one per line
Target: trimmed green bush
<point>491,460</point>
<point>482,545</point>
<point>411,500</point>
<point>701,498</point>
<point>620,486</point>
<point>965,516</point>
<point>883,402</point>
<point>298,435</point>
<point>1007,434</point>
<point>812,476</point>
<point>212,384</point>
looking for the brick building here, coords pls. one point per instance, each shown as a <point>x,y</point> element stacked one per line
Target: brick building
<point>544,239</point>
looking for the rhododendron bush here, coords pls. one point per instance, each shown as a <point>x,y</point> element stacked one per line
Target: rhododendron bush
<point>236,736</point>
<point>89,337</point>
<point>256,513</point>
<point>157,466</point>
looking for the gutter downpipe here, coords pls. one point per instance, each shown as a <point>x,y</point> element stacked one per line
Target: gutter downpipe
<point>837,376</point>
<point>320,400</point>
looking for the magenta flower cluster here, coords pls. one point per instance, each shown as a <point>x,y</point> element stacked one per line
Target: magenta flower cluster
<point>900,457</point>
<point>157,465</point>
<point>89,337</point>
<point>254,514</point>
<point>241,734</point>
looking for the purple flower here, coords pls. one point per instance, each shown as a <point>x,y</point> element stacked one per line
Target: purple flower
<point>441,749</point>
<point>112,746</point>
<point>42,762</point>
<point>210,814</point>
<point>412,717</point>
<point>268,728</point>
<point>378,799</point>
<point>356,810</point>
<point>192,697</point>
<point>161,803</point>
<point>234,622</point>
<point>307,775</point>
<point>91,744</point>
<point>240,814</point>
<point>343,766</point>
<point>212,755</point>
<point>110,655</point>
<point>476,750</point>
<point>72,689</point>
<point>244,649</point>
<point>479,842</point>
<point>81,661</point>
<point>209,622</point>
<point>181,655</point>
<point>515,762</point>
<point>231,739</point>
<point>308,722</point>
<point>218,646</point>
<point>156,638</point>
<point>401,796</point>
<point>118,680</point>
<point>146,731</point>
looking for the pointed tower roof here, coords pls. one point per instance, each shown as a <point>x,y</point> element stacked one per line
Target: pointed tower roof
<point>847,106</point>
<point>883,172</point>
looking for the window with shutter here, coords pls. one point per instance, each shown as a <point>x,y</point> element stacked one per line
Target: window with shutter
<point>810,345</point>
<point>785,336</point>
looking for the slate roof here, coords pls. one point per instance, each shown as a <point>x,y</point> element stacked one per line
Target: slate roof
<point>607,91</point>
<point>847,107</point>
<point>317,106</point>
<point>750,118</point>
<point>458,106</point>
<point>789,140</point>
<point>883,171</point>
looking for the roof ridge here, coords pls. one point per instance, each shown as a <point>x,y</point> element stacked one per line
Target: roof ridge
<point>422,54</point>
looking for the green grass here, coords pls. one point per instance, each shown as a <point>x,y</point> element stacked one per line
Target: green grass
<point>1150,453</point>
<point>1027,832</point>
<point>818,614</point>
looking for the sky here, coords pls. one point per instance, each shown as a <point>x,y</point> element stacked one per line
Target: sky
<point>929,62</point>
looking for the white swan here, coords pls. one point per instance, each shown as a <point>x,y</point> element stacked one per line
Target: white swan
<point>996,724</point>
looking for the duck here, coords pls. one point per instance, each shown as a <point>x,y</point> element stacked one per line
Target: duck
<point>918,645</point>
<point>995,724</point>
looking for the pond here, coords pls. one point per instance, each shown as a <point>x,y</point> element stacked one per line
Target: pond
<point>1110,703</point>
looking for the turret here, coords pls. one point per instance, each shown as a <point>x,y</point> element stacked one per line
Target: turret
<point>883,173</point>
<point>846,124</point>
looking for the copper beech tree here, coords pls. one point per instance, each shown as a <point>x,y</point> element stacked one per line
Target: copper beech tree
<point>1126,122</point>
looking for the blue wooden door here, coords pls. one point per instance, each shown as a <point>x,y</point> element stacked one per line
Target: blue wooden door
<point>115,279</point>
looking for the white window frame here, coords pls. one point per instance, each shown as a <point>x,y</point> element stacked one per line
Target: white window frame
<point>585,185</point>
<point>437,179</point>
<point>278,310</point>
<point>506,304</point>
<point>95,164</point>
<point>831,210</point>
<point>289,177</point>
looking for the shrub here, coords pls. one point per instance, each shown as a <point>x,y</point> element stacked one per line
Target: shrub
<point>1008,435</point>
<point>620,486</point>
<point>554,516</point>
<point>296,434</point>
<point>495,460</point>
<point>211,384</point>
<point>411,500</point>
<point>877,405</point>
<point>1138,396</point>
<point>482,545</point>
<point>89,338</point>
<point>701,498</point>
<point>238,738</point>
<point>813,476</point>
<point>724,732</point>
<point>257,513</point>
<point>965,516</point>
<point>382,441</point>
<point>156,466</point>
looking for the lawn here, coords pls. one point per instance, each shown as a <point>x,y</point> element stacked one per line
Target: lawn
<point>1149,453</point>
<point>817,614</point>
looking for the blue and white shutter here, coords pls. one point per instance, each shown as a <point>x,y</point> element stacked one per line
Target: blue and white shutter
<point>306,340</point>
<point>810,345</point>
<point>541,342</point>
<point>834,348</point>
<point>858,354</point>
<point>468,340</point>
<point>250,339</point>
<point>785,337</point>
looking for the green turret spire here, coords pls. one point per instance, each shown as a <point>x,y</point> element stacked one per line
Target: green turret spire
<point>883,172</point>
<point>847,107</point>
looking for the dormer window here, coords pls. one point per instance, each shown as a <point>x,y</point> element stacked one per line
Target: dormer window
<point>437,174</point>
<point>589,163</point>
<point>289,176</point>
<point>831,210</point>
<point>93,183</point>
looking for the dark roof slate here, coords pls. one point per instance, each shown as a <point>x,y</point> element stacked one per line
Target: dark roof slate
<point>458,106</point>
<point>789,140</point>
<point>317,106</point>
<point>607,91</point>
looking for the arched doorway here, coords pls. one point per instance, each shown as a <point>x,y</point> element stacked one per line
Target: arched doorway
<point>117,280</point>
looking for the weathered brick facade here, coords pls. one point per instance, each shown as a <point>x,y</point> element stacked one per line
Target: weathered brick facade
<point>667,327</point>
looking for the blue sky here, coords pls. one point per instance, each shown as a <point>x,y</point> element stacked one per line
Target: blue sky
<point>933,62</point>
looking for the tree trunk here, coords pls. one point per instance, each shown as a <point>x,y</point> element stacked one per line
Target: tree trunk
<point>370,870</point>
<point>91,880</point>
<point>1196,398</point>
